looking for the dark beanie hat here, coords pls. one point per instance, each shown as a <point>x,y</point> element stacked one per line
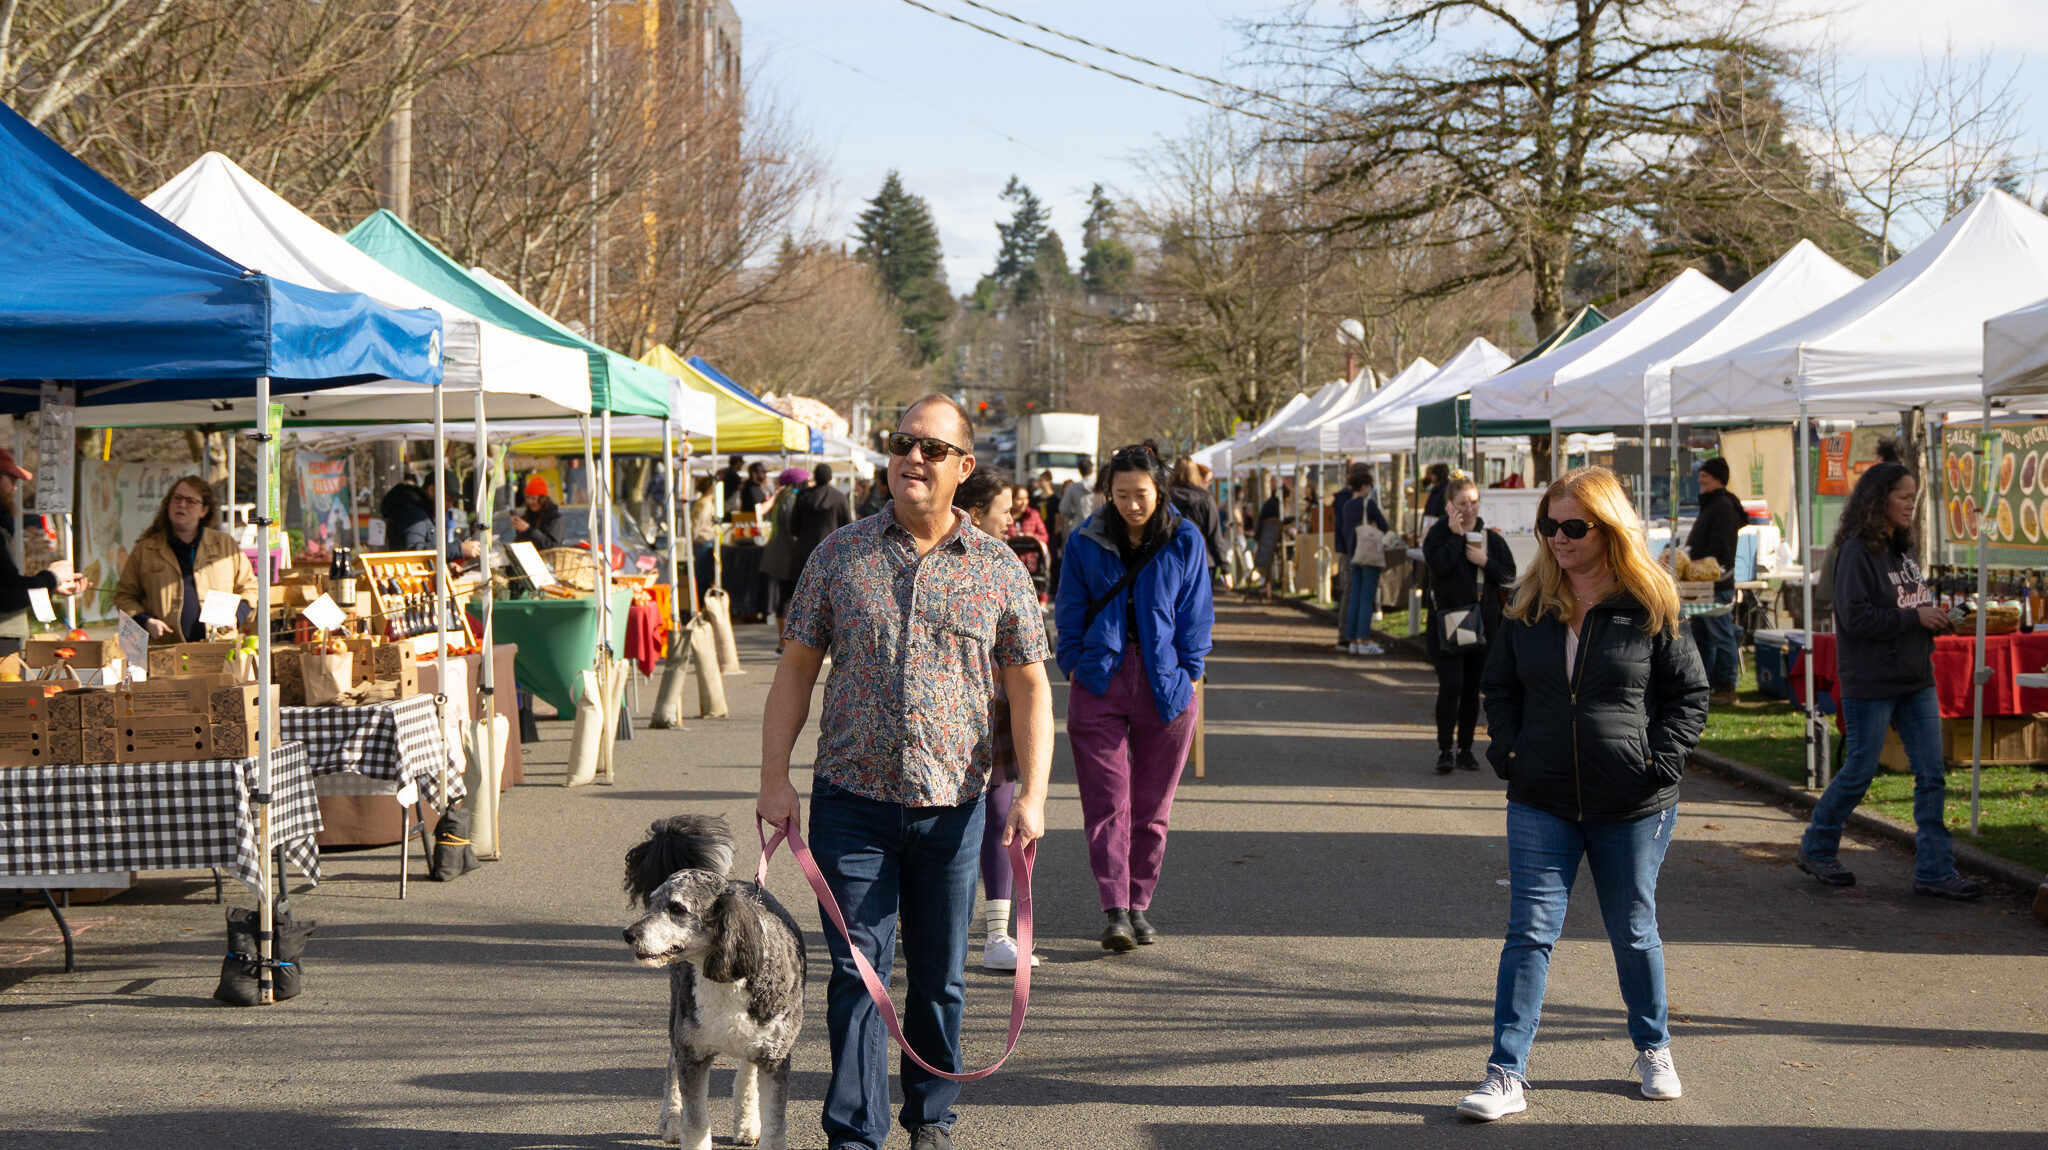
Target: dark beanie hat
<point>1716,467</point>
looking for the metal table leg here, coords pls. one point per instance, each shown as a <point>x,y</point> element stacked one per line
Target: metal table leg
<point>56,912</point>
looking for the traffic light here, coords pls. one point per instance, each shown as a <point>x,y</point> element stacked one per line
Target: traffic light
<point>984,407</point>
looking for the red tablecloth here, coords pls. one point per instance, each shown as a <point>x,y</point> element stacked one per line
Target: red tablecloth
<point>1954,658</point>
<point>646,636</point>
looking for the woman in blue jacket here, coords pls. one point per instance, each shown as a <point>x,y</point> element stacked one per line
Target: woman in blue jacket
<point>1134,616</point>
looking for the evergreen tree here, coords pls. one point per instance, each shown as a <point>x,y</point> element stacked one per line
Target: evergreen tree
<point>900,241</point>
<point>1107,262</point>
<point>1055,277</point>
<point>1016,262</point>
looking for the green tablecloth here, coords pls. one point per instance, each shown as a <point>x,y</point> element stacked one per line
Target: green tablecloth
<point>557,640</point>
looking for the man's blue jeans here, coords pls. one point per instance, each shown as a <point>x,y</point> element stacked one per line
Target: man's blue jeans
<point>1359,602</point>
<point>1720,650</point>
<point>1543,863</point>
<point>883,860</point>
<point>1917,717</point>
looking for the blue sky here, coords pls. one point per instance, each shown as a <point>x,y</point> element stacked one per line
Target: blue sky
<point>879,84</point>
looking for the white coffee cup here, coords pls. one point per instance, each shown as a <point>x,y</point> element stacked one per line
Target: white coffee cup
<point>1475,536</point>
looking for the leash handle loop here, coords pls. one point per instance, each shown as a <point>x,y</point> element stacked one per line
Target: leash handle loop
<point>1021,856</point>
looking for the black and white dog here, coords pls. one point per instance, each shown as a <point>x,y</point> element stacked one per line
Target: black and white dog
<point>736,979</point>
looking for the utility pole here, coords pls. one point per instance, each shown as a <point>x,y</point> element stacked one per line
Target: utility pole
<point>394,174</point>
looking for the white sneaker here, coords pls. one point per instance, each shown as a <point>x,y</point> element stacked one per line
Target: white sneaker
<point>1660,1077</point>
<point>1371,648</point>
<point>1000,953</point>
<point>1497,1097</point>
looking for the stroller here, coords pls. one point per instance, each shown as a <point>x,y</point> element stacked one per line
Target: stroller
<point>1037,559</point>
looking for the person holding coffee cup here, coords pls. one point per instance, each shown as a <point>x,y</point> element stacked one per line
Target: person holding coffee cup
<point>1470,569</point>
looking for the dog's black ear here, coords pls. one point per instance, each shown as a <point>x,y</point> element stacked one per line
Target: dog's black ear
<point>734,924</point>
<point>646,870</point>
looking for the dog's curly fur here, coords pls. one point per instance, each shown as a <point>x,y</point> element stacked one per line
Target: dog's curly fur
<point>736,979</point>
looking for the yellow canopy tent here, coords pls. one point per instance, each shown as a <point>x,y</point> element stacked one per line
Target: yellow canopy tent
<point>743,424</point>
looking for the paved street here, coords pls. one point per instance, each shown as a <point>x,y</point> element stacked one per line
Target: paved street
<point>1331,908</point>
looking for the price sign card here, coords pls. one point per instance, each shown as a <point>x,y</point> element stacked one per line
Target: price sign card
<point>532,565</point>
<point>220,609</point>
<point>134,645</point>
<point>324,613</point>
<point>39,604</point>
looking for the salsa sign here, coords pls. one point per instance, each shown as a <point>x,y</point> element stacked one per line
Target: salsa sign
<point>1998,482</point>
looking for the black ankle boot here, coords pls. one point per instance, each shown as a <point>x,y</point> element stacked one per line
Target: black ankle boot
<point>1143,930</point>
<point>1118,936</point>
<point>1465,760</point>
<point>1444,763</point>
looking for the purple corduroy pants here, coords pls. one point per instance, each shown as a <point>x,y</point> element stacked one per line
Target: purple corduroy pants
<point>1128,763</point>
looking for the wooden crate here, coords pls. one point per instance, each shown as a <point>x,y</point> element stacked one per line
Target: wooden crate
<point>2009,741</point>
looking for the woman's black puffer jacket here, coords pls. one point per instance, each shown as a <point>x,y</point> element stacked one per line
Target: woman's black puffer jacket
<point>1609,742</point>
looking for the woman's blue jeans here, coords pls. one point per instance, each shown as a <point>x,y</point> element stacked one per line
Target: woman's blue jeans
<point>884,861</point>
<point>1543,863</point>
<point>1359,602</point>
<point>1917,718</point>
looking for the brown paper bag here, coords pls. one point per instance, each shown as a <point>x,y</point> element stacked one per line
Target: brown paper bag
<point>326,676</point>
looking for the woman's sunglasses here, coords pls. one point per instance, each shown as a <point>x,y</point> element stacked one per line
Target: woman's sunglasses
<point>1572,528</point>
<point>934,450</point>
<point>1136,453</point>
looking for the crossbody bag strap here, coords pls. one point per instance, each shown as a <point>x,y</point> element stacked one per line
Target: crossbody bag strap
<point>1122,585</point>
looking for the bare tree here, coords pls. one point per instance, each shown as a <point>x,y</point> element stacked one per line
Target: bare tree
<point>838,342</point>
<point>53,52</point>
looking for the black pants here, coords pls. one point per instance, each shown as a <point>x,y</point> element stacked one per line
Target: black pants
<point>1457,695</point>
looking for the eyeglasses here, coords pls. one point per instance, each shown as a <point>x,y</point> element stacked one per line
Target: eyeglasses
<point>1135,453</point>
<point>934,450</point>
<point>183,500</point>
<point>1572,528</point>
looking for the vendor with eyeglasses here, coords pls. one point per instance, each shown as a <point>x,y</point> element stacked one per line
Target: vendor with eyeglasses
<point>177,561</point>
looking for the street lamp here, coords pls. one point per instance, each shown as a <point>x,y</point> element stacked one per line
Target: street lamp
<point>1351,334</point>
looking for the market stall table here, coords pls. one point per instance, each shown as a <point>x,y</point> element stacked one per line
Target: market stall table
<point>740,575</point>
<point>376,748</point>
<point>646,636</point>
<point>557,639</point>
<point>102,818</point>
<point>2007,656</point>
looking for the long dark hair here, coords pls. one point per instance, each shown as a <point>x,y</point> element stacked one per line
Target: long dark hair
<point>161,525</point>
<point>1158,529</point>
<point>1865,517</point>
<point>978,491</point>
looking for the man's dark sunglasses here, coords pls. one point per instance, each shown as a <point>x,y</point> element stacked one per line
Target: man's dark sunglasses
<point>1572,528</point>
<point>934,450</point>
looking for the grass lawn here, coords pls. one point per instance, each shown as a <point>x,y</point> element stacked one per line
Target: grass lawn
<point>2013,812</point>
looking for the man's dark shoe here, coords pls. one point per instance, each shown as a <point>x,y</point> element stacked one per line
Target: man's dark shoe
<point>1829,871</point>
<point>1143,930</point>
<point>1444,764</point>
<point>1465,760</point>
<point>1118,935</point>
<point>1954,886</point>
<point>930,1138</point>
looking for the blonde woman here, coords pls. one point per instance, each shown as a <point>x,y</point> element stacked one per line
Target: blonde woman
<point>1594,697</point>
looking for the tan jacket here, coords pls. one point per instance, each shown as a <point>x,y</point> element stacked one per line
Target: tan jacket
<point>153,584</point>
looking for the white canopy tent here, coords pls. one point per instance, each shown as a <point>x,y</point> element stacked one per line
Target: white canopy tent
<point>1910,336</point>
<point>1523,392</point>
<point>1636,388</point>
<point>1247,456</point>
<point>1418,369</point>
<point>2016,352</point>
<point>1277,433</point>
<point>1387,424</point>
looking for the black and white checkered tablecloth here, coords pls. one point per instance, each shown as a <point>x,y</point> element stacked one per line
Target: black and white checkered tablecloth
<point>110,817</point>
<point>398,741</point>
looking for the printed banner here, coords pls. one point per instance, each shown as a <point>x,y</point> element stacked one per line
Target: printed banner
<point>326,503</point>
<point>2001,484</point>
<point>56,447</point>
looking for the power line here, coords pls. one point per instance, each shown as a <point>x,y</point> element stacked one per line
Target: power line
<point>1140,59</point>
<point>1097,67</point>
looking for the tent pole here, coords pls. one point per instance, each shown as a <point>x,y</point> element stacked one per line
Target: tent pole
<point>1649,444</point>
<point>1980,671</point>
<point>678,483</point>
<point>20,452</point>
<point>718,515</point>
<point>1806,594</point>
<point>266,713</point>
<point>487,684</point>
<point>1674,476</point>
<point>443,592</point>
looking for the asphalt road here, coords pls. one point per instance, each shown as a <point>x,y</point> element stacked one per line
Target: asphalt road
<point>1331,907</point>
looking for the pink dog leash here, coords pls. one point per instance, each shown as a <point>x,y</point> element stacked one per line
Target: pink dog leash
<point>1021,854</point>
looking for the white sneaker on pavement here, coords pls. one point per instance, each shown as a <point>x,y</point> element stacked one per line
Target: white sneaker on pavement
<point>1497,1097</point>
<point>1371,648</point>
<point>1660,1077</point>
<point>1000,953</point>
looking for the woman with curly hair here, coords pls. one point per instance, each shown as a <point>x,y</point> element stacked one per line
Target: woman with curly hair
<point>1885,624</point>
<point>1594,697</point>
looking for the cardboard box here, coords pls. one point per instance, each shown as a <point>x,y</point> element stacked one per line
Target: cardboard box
<point>80,708</point>
<point>284,675</point>
<point>42,651</point>
<point>22,701</point>
<point>2009,740</point>
<point>233,740</point>
<point>87,745</point>
<point>219,697</point>
<point>397,665</point>
<point>163,738</point>
<point>24,743</point>
<point>168,659</point>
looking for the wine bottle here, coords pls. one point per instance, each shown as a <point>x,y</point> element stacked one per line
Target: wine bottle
<point>341,579</point>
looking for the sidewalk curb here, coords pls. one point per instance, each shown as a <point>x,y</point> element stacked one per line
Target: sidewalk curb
<point>1968,857</point>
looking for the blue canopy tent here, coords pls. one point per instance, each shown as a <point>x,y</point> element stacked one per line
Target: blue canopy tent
<point>697,361</point>
<point>99,291</point>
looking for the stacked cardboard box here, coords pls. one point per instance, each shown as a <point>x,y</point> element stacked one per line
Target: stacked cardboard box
<point>168,659</point>
<point>200,716</point>
<point>25,723</point>
<point>82,726</point>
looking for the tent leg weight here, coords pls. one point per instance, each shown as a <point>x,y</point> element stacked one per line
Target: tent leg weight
<point>668,698</point>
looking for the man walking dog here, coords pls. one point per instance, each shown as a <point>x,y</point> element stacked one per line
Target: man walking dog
<point>923,615</point>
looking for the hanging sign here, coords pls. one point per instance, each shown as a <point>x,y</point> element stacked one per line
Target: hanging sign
<point>1998,483</point>
<point>274,544</point>
<point>56,445</point>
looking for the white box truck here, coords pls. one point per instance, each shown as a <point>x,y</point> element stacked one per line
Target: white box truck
<point>1056,441</point>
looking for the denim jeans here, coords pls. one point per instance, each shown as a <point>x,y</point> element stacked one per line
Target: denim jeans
<point>1917,717</point>
<point>884,860</point>
<point>1359,602</point>
<point>1720,649</point>
<point>1543,863</point>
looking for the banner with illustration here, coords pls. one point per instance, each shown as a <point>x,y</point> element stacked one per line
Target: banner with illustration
<point>326,505</point>
<point>2003,486</point>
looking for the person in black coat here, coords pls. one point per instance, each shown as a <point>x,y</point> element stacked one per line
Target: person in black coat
<point>819,510</point>
<point>1594,698</point>
<point>1467,565</point>
<point>1192,499</point>
<point>1721,520</point>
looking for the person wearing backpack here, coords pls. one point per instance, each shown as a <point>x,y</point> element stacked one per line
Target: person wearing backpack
<point>1134,615</point>
<point>1362,532</point>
